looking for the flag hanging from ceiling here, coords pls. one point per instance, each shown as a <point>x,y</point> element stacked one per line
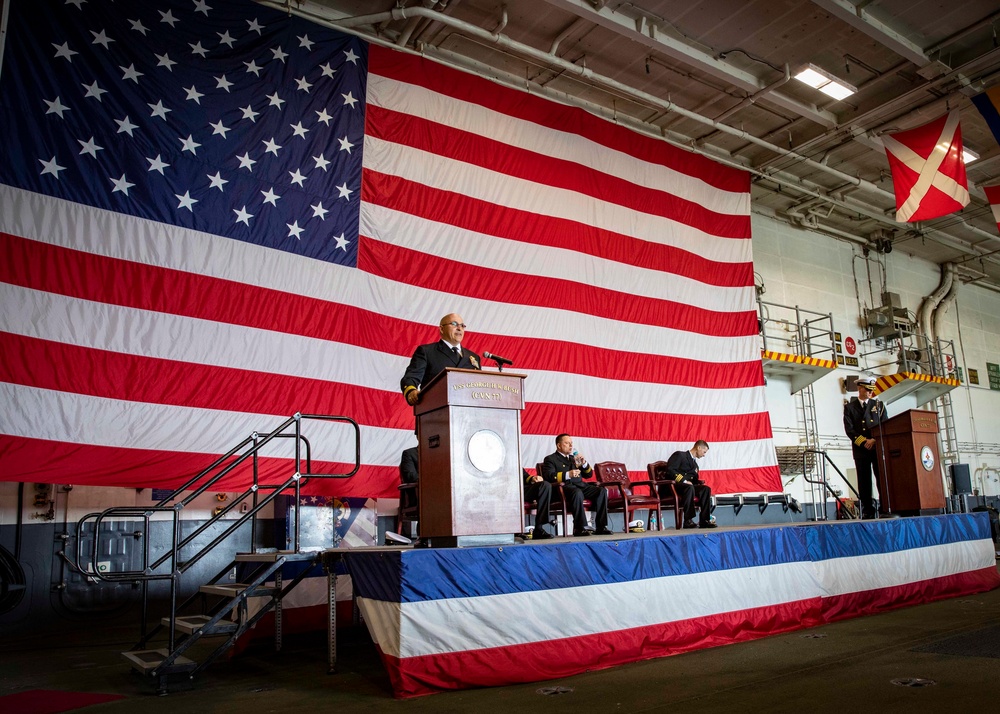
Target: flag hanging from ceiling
<point>215,216</point>
<point>993,196</point>
<point>988,104</point>
<point>928,173</point>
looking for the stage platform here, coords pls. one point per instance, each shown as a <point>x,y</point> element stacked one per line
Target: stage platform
<point>457,618</point>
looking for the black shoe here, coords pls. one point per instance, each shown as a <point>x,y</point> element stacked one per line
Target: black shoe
<point>690,524</point>
<point>539,534</point>
<point>706,524</point>
<point>604,531</point>
<point>583,533</point>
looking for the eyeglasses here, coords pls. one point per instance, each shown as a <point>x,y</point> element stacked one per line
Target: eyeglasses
<point>453,324</point>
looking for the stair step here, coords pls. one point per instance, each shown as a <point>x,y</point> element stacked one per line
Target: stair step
<point>190,624</point>
<point>231,590</point>
<point>272,556</point>
<point>224,589</point>
<point>146,661</point>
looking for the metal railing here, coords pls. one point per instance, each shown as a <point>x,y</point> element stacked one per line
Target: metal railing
<point>248,449</point>
<point>798,331</point>
<point>825,484</point>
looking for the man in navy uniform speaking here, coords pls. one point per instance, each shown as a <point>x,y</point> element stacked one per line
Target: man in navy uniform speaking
<point>430,360</point>
<point>861,414</point>
<point>569,468</point>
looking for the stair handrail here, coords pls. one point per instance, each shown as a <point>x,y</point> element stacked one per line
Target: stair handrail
<point>822,481</point>
<point>146,573</point>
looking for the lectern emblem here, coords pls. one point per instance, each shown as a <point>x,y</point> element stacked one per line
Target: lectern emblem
<point>927,458</point>
<point>486,451</point>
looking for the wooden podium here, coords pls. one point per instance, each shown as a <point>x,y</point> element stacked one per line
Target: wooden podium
<point>469,429</point>
<point>910,471</point>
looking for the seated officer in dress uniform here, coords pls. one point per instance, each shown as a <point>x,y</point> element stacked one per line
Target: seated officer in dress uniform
<point>568,468</point>
<point>538,489</point>
<point>683,470</point>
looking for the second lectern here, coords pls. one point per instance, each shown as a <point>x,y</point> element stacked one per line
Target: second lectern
<point>469,429</point>
<point>907,446</point>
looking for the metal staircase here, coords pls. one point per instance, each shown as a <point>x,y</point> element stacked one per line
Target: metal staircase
<point>216,609</point>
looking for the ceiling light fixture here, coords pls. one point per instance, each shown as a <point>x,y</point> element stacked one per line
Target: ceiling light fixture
<point>825,82</point>
<point>968,155</point>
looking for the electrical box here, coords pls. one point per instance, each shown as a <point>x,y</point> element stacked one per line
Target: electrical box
<point>892,300</point>
<point>888,322</point>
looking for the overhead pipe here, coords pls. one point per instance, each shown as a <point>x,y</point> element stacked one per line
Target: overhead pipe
<point>951,39</point>
<point>752,99</point>
<point>930,303</point>
<point>570,29</point>
<point>939,314</point>
<point>411,25</point>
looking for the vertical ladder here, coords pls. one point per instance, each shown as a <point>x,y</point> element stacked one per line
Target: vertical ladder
<point>805,412</point>
<point>947,433</point>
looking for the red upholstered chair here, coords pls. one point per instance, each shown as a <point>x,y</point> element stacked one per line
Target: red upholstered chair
<point>613,476</point>
<point>657,472</point>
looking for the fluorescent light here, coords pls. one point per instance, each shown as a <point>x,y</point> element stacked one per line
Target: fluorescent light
<point>811,77</point>
<point>836,90</point>
<point>825,82</point>
<point>968,155</point>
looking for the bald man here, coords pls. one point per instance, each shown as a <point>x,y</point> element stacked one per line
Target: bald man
<point>430,360</point>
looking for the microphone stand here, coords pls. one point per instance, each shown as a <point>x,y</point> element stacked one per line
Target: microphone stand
<point>883,470</point>
<point>499,365</point>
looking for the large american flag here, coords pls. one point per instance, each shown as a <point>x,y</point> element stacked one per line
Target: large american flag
<point>214,215</point>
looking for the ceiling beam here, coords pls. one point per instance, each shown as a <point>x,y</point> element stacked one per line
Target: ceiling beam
<point>854,13</point>
<point>659,36</point>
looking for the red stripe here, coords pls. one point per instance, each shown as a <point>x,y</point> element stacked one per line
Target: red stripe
<point>510,160</point>
<point>471,214</point>
<point>723,481</point>
<point>521,105</point>
<point>135,285</point>
<point>868,602</point>
<point>550,659</point>
<point>745,480</point>
<point>44,461</point>
<point>449,276</point>
<point>642,426</point>
<point>45,364</point>
<point>497,666</point>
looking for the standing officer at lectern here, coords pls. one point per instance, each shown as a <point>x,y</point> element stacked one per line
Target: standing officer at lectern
<point>861,414</point>
<point>430,360</point>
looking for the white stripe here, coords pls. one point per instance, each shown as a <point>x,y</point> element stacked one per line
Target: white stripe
<point>840,576</point>
<point>106,233</point>
<point>461,624</point>
<point>520,194</point>
<point>724,455</point>
<point>466,116</point>
<point>82,419</point>
<point>528,260</point>
<point>382,619</point>
<point>58,318</point>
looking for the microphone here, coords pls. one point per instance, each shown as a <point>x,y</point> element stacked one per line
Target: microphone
<point>498,359</point>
